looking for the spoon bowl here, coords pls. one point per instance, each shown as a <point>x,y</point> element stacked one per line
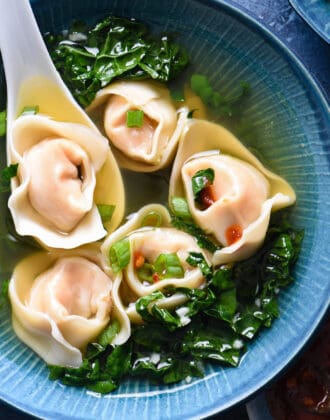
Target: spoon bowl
<point>31,77</point>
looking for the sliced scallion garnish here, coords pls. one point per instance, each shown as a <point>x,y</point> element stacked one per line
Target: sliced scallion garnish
<point>106,212</point>
<point>119,255</point>
<point>134,118</point>
<point>180,208</point>
<point>145,272</point>
<point>30,110</point>
<point>169,266</point>
<point>3,117</point>
<point>152,218</point>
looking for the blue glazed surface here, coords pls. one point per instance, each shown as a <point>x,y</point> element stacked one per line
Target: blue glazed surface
<point>317,14</point>
<point>292,123</point>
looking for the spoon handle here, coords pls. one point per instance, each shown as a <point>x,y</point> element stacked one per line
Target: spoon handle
<point>23,50</point>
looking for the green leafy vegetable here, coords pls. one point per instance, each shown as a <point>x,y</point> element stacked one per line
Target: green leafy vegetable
<point>249,288</point>
<point>189,227</point>
<point>134,118</point>
<point>200,180</point>
<point>213,341</point>
<point>147,307</point>
<point>182,220</point>
<point>197,300</point>
<point>223,105</point>
<point>213,324</point>
<point>89,59</point>
<point>196,259</point>
<point>177,95</point>
<point>106,212</point>
<point>166,369</point>
<point>109,333</point>
<point>6,175</point>
<point>119,255</point>
<point>143,305</point>
<point>3,119</point>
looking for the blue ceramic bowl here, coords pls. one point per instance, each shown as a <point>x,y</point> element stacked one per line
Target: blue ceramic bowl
<point>291,132</point>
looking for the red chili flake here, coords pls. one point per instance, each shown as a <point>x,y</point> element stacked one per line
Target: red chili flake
<point>139,259</point>
<point>233,233</point>
<point>155,277</point>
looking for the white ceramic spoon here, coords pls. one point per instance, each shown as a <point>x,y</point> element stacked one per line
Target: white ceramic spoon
<point>30,73</point>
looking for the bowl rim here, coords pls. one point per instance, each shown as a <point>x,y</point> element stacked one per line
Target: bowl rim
<point>313,90</point>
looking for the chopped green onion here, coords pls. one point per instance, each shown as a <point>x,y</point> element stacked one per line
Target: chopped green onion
<point>169,266</point>
<point>3,117</point>
<point>119,255</point>
<point>134,118</point>
<point>180,208</point>
<point>202,179</point>
<point>177,95</point>
<point>152,219</point>
<point>106,212</point>
<point>145,272</point>
<point>30,110</point>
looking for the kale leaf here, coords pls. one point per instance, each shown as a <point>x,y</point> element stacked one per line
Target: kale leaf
<point>214,323</point>
<point>190,227</point>
<point>6,175</point>
<point>116,48</point>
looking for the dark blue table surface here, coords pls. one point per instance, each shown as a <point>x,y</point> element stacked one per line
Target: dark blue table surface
<point>314,53</point>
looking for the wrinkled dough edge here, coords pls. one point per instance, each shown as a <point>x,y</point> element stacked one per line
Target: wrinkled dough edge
<point>38,330</point>
<point>203,136</point>
<point>133,224</point>
<point>150,93</point>
<point>34,129</point>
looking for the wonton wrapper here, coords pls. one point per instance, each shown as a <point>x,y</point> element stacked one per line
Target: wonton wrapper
<point>152,241</point>
<point>102,183</point>
<point>57,320</point>
<point>203,139</point>
<point>152,146</point>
